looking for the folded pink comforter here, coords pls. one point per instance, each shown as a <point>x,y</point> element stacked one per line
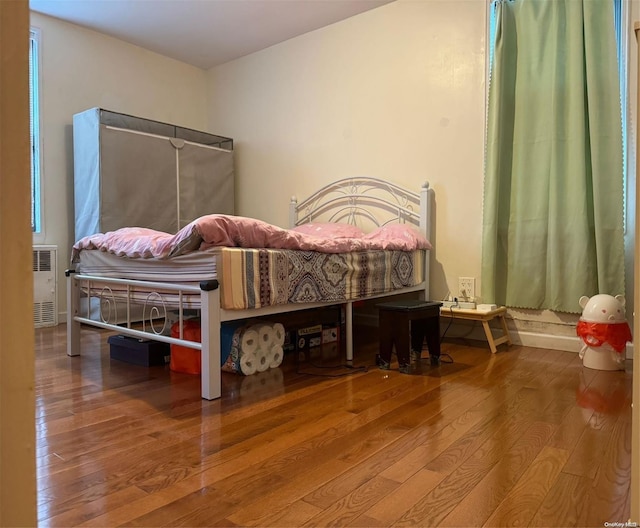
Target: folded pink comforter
<point>237,231</point>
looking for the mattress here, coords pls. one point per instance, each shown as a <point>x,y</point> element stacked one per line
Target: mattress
<point>256,278</point>
<point>109,303</point>
<point>191,267</point>
<point>265,277</point>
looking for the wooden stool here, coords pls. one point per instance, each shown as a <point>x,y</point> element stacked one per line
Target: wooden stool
<point>406,324</point>
<point>484,318</point>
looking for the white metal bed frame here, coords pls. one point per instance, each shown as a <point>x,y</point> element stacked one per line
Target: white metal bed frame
<point>366,202</point>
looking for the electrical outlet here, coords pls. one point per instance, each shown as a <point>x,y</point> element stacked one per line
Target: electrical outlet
<point>466,287</point>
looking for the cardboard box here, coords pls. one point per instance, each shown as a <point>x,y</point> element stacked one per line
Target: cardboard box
<point>308,337</point>
<point>330,334</point>
<point>138,351</point>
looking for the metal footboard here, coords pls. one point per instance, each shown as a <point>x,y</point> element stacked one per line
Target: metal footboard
<point>156,298</point>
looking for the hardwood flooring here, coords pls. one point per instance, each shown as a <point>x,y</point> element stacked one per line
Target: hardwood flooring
<point>524,437</point>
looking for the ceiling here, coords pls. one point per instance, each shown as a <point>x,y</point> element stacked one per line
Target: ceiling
<point>204,33</point>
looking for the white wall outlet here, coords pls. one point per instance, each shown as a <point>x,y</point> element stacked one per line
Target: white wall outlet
<point>466,287</point>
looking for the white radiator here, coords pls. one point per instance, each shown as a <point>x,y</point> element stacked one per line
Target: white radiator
<point>45,281</point>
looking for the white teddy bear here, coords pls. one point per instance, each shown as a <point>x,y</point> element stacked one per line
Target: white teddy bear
<point>604,330</point>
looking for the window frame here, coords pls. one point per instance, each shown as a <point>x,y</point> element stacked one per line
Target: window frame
<point>35,120</point>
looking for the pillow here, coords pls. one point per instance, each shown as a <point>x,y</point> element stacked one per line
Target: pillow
<point>327,230</point>
<point>399,237</point>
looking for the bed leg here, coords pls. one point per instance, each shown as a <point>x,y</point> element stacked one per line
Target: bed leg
<point>348,320</point>
<point>73,305</point>
<point>211,381</point>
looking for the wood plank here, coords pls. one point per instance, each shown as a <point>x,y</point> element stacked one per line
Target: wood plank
<point>387,511</point>
<point>607,499</point>
<point>296,514</point>
<point>522,502</point>
<point>343,511</point>
<point>563,503</point>
<point>480,503</point>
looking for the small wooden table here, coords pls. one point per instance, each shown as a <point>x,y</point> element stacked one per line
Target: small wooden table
<point>484,318</point>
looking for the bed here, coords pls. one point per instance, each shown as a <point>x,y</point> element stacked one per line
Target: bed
<point>366,237</point>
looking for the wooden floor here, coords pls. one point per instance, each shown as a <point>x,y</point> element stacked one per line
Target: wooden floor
<point>525,437</point>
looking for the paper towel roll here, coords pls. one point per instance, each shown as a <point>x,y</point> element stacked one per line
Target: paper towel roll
<point>248,364</point>
<point>265,335</point>
<point>278,334</point>
<point>249,341</point>
<point>275,356</point>
<point>262,360</point>
<point>255,348</point>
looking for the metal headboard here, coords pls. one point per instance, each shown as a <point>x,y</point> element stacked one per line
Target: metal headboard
<point>365,202</point>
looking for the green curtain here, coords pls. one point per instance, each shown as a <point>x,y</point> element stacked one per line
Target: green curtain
<point>553,192</point>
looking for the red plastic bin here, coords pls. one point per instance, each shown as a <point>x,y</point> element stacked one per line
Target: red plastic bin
<point>184,359</point>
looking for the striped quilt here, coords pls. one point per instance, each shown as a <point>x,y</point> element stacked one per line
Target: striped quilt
<point>253,278</point>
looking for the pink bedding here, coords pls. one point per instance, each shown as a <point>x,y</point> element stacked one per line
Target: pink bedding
<point>237,231</point>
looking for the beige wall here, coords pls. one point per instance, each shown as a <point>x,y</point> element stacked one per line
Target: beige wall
<point>83,69</point>
<point>395,93</point>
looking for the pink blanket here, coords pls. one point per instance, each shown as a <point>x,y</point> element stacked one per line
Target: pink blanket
<point>237,231</point>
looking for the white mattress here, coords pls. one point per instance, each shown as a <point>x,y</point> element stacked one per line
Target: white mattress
<point>192,267</point>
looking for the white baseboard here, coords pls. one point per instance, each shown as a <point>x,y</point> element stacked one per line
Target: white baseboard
<point>529,339</point>
<point>553,342</point>
<point>567,343</point>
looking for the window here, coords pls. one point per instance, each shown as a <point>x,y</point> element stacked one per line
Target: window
<point>34,111</point>
<point>620,16</point>
<point>544,172</point>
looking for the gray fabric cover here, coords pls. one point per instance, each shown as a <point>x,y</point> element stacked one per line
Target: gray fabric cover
<point>132,172</point>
